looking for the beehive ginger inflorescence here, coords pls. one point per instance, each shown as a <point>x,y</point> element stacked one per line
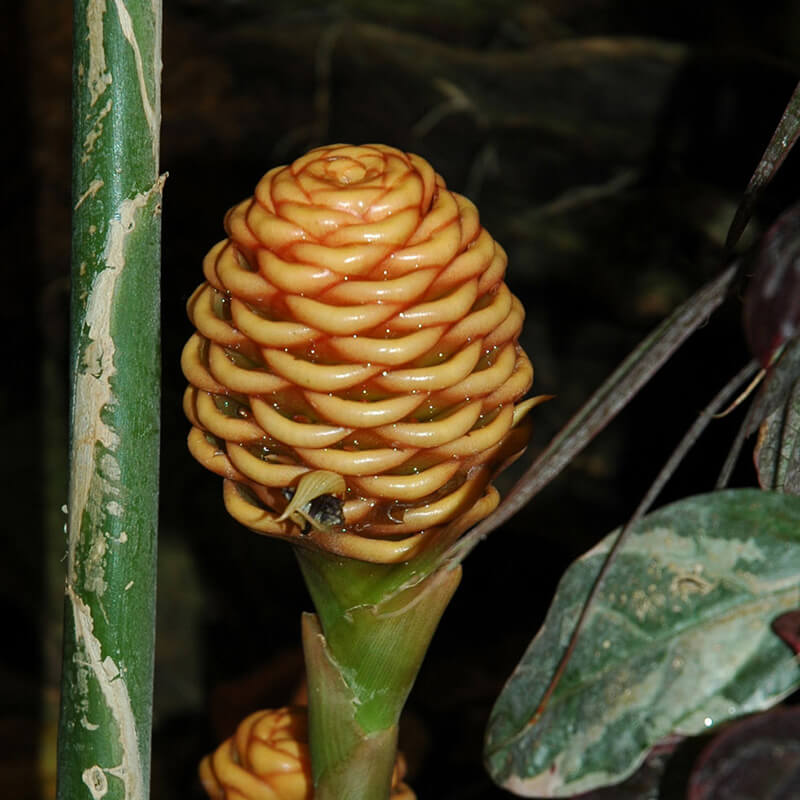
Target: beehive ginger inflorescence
<point>268,758</point>
<point>355,374</point>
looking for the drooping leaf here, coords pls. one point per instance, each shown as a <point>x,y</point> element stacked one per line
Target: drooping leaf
<point>777,453</point>
<point>602,407</point>
<point>756,758</point>
<point>677,640</point>
<point>772,301</point>
<point>778,148</point>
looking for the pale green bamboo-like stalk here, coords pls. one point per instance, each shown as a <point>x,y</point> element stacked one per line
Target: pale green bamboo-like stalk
<point>109,624</point>
<point>363,650</point>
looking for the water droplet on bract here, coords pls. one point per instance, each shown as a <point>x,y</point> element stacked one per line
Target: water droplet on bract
<point>708,722</point>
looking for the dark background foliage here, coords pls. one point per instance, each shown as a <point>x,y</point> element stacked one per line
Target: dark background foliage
<point>606,143</point>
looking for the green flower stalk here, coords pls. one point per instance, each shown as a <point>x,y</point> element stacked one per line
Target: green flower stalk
<point>356,380</point>
<point>106,708</point>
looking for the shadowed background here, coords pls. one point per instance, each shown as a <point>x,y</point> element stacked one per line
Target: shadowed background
<point>605,142</point>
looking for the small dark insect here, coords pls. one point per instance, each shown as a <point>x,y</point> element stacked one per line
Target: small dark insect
<point>322,513</point>
<point>327,510</point>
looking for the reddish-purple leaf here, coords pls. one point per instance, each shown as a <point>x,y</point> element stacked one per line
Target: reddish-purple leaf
<point>772,302</point>
<point>645,782</point>
<point>787,626</point>
<point>756,758</point>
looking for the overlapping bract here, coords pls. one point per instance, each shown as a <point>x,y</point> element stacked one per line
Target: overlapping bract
<point>268,758</point>
<point>356,321</point>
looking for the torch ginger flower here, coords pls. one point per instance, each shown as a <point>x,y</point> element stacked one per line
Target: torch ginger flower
<point>355,374</point>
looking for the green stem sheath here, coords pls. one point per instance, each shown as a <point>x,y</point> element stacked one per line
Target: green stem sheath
<point>363,652</point>
<point>106,709</point>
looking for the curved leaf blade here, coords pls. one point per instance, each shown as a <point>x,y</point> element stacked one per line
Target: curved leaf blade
<point>781,143</point>
<point>678,640</point>
<point>777,452</point>
<point>779,381</point>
